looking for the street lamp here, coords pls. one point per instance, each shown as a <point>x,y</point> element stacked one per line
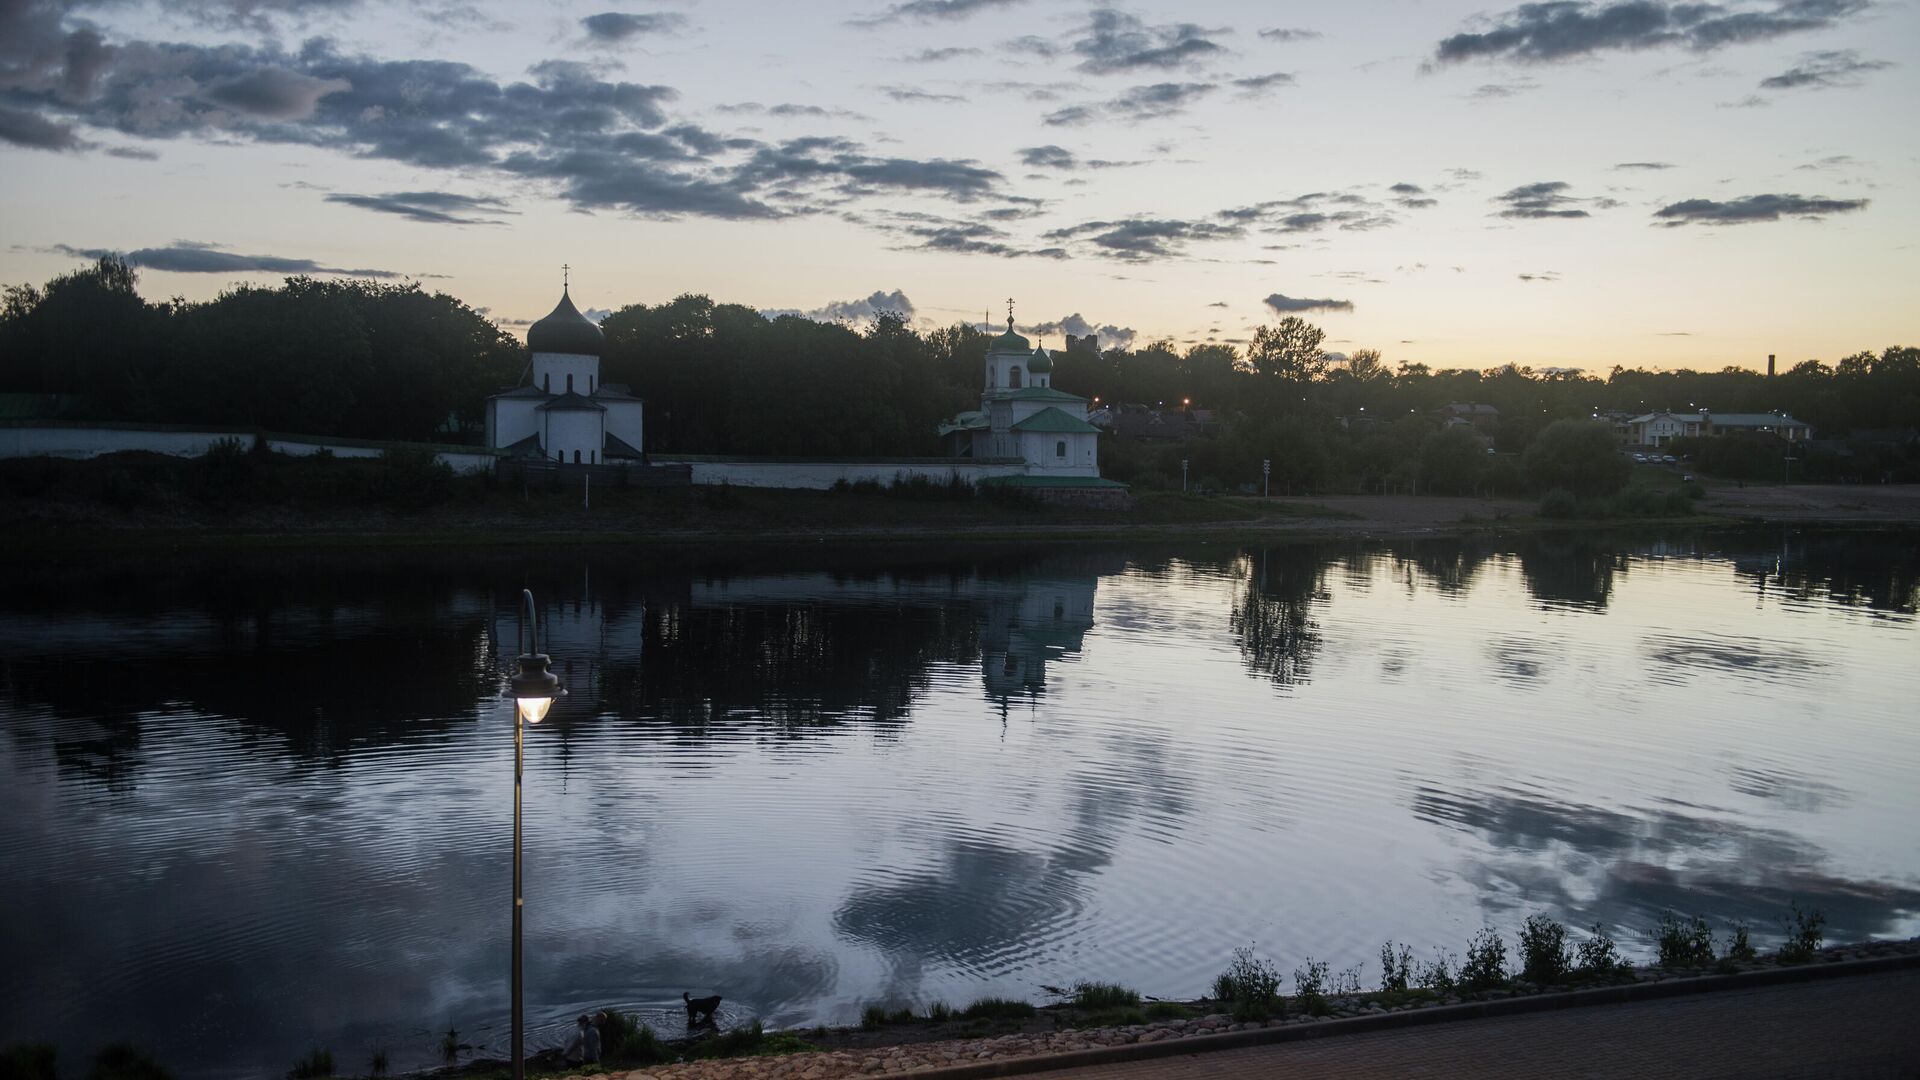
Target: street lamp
<point>533,691</point>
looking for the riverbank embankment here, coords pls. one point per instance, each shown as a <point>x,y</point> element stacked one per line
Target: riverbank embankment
<point>59,506</point>
<point>1068,1047</point>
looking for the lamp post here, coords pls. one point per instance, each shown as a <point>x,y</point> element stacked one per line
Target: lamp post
<point>533,690</point>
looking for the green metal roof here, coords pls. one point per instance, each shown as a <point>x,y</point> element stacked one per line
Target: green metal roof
<point>1041,362</point>
<point>1052,420</point>
<point>1033,393</point>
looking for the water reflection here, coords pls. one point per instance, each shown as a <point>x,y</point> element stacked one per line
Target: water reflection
<point>256,804</point>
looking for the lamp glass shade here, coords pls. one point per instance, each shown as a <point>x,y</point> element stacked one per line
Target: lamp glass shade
<point>534,709</point>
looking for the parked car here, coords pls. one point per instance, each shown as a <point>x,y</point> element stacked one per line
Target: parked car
<point>1640,458</point>
<point>1669,459</point>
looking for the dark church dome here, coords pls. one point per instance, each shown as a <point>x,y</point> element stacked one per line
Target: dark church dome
<point>566,331</point>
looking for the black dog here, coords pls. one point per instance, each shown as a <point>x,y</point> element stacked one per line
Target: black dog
<point>700,1010</point>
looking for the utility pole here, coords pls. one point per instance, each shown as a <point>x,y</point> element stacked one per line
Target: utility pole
<point>1266,478</point>
<point>1183,476</point>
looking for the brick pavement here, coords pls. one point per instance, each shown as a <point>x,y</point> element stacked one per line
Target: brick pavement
<point>1865,1027</point>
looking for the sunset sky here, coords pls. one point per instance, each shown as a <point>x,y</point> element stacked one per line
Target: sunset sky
<point>1555,184</point>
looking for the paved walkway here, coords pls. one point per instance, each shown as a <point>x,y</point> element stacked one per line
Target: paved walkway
<point>1862,1028</point>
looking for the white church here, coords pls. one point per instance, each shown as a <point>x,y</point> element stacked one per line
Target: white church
<point>1025,434</point>
<point>1022,416</point>
<point>565,413</point>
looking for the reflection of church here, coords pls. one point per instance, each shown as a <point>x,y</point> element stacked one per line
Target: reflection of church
<point>1046,620</point>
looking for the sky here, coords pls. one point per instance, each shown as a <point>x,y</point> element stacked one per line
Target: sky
<point>1560,184</point>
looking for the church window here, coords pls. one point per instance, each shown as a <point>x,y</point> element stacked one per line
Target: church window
<point>576,457</point>
<point>1013,378</point>
<point>569,382</point>
<point>1060,448</point>
<point>546,382</point>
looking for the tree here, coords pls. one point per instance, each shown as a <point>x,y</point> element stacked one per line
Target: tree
<point>1450,461</point>
<point>1289,350</point>
<point>1579,455</point>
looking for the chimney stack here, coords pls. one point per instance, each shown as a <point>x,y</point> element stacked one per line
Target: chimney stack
<point>1769,365</point>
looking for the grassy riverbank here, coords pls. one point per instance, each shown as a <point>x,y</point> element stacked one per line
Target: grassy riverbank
<point>148,502</point>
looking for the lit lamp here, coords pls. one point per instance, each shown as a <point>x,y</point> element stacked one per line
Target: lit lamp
<point>533,691</point>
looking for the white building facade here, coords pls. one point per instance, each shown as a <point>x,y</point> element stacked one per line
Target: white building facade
<point>1022,416</point>
<point>1659,429</point>
<point>564,413</point>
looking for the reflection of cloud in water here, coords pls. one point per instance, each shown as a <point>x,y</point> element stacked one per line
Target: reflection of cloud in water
<point>1587,864</point>
<point>1792,790</point>
<point>1520,661</point>
<point>1676,659</point>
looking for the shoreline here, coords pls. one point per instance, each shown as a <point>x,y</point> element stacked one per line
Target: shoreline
<point>750,518</point>
<point>1061,1035</point>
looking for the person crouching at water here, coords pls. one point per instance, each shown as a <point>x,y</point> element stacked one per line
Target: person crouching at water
<point>585,1047</point>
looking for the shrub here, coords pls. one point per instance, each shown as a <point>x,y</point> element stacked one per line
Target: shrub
<point>939,1012</point>
<point>1346,982</point>
<point>1094,995</point>
<point>902,1015</point>
<point>121,1061</point>
<point>750,1041</point>
<point>1559,503</point>
<point>1310,986</point>
<point>1578,455</point>
<point>873,1017</point>
<point>1543,951</point>
<point>450,1045</point>
<point>1740,950</point>
<point>1684,944</point>
<point>1485,967</point>
<point>1252,984</point>
<point>1598,957</point>
<point>1441,975</point>
<point>1396,968</point>
<point>993,1008</point>
<point>627,1041</point>
<point>413,478</point>
<point>1803,935</point>
<point>1168,1010</point>
<point>317,1063</point>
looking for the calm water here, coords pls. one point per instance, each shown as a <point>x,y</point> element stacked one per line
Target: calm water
<point>252,806</point>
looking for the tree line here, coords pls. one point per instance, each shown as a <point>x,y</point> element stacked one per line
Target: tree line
<point>364,359</point>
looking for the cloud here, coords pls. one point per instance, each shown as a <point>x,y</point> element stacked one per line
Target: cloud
<point>1752,208</point>
<point>1823,70</point>
<point>1643,165</point>
<point>1312,212</point>
<point>935,56</point>
<point>1836,161</point>
<point>1543,275</point>
<point>189,257</point>
<point>1260,84</point>
<point>1115,42</point>
<point>1219,303</point>
<point>1751,101</point>
<point>1287,305</point>
<point>617,27</point>
<point>1570,29</point>
<point>1048,157</point>
<point>934,233</point>
<point>1547,199</point>
<point>1284,34</point>
<point>932,11</point>
<point>1071,116</point>
<point>19,127</point>
<point>274,93</point>
<point>853,310</point>
<point>431,207</point>
<point>1502,91</point>
<point>1411,196</point>
<point>1144,238</point>
<point>911,94</point>
<point>1111,336</point>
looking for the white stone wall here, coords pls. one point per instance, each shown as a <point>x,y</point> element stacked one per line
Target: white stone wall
<point>574,430</point>
<point>1041,449</point>
<point>821,475</point>
<point>511,419</point>
<point>550,371</point>
<point>81,443</point>
<point>624,420</point>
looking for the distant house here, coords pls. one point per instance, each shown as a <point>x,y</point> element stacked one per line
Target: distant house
<point>1661,428</point>
<point>1479,414</point>
<point>1141,422</point>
